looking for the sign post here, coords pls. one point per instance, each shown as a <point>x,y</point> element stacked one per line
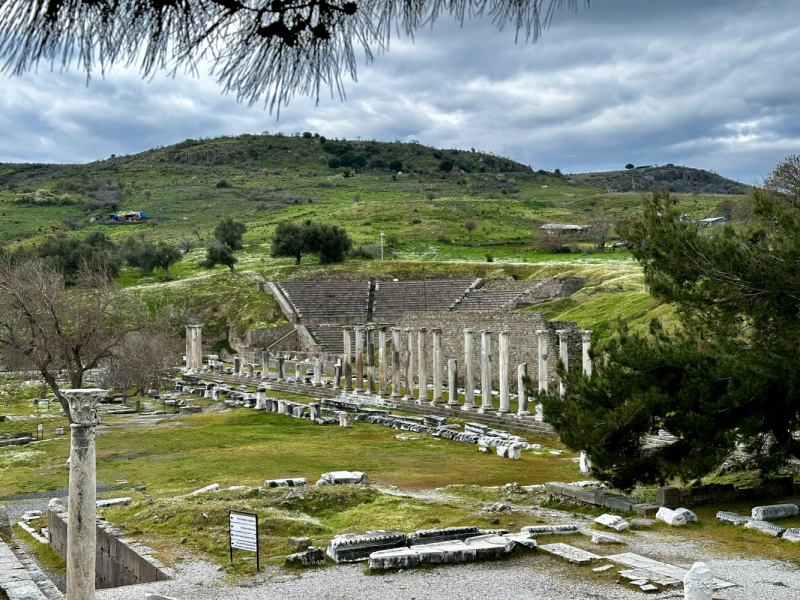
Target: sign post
<point>243,533</point>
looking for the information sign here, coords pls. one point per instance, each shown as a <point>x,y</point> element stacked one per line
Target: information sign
<point>244,533</point>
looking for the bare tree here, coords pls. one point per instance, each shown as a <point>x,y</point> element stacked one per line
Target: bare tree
<point>785,178</point>
<point>257,48</point>
<point>141,362</point>
<point>60,332</point>
<point>599,228</point>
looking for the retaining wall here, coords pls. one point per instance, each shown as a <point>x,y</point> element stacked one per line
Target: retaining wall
<point>675,497</point>
<point>119,561</point>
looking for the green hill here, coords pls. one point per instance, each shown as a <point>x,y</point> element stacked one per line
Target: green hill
<point>685,180</point>
<point>418,196</point>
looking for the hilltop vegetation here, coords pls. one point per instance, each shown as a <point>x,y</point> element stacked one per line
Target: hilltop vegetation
<point>420,197</point>
<point>683,180</point>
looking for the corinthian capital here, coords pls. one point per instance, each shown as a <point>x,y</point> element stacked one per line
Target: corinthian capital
<point>83,405</point>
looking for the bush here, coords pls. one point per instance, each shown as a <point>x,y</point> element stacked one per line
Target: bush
<point>396,165</point>
<point>366,251</point>
<point>444,239</point>
<point>334,163</point>
<point>504,191</point>
<point>222,183</point>
<point>307,134</point>
<point>415,221</point>
<point>489,257</point>
<point>446,165</point>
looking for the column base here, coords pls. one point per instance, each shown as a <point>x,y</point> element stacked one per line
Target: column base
<point>503,411</point>
<point>483,411</point>
<point>396,396</point>
<point>454,404</point>
<point>523,414</point>
<point>437,401</point>
<point>408,397</point>
<point>421,401</point>
<point>468,407</point>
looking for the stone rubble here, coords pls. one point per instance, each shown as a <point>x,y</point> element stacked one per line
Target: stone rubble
<point>603,537</point>
<point>350,547</point>
<point>288,482</point>
<point>764,527</point>
<point>612,521</point>
<point>209,488</point>
<point>775,511</point>
<point>670,517</point>
<point>342,478</point>
<point>698,583</point>
<point>309,557</point>
<point>687,514</point>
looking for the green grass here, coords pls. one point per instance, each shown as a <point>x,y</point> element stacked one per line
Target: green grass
<point>45,554</point>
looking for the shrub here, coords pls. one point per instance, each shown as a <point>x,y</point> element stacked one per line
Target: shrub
<point>446,165</point>
<point>334,163</point>
<point>444,239</point>
<point>396,165</point>
<point>489,257</point>
<point>222,183</point>
<point>367,251</point>
<point>415,221</point>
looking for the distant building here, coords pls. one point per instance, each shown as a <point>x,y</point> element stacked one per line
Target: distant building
<point>709,221</point>
<point>129,216</point>
<point>553,228</point>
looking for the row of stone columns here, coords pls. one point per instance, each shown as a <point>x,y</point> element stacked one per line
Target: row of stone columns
<point>408,365</point>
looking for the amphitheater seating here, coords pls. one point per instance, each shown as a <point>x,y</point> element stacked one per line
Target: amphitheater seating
<point>329,337</point>
<point>319,302</point>
<point>396,298</point>
<point>482,299</point>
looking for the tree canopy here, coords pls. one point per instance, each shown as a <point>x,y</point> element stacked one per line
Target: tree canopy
<point>257,48</point>
<point>727,377</point>
<point>331,243</point>
<point>230,233</point>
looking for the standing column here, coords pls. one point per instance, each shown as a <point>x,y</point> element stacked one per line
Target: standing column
<point>504,398</point>
<point>371,360</point>
<point>563,354</point>
<point>237,365</point>
<point>542,335</point>
<point>437,365</point>
<point>469,377</point>
<point>250,370</point>
<point>337,376</point>
<point>347,366</point>
<point>586,339</point>
<point>317,372</point>
<point>198,347</point>
<point>396,362</point>
<point>298,372</point>
<point>264,365</point>
<point>452,383</point>
<point>409,364</point>
<point>189,351</point>
<point>281,369</point>
<point>522,396</point>
<point>359,360</point>
<point>81,531</point>
<point>486,371</point>
<point>422,363</point>
<point>382,366</point>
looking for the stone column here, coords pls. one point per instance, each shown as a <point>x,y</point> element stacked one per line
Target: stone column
<point>409,364</point>
<point>250,370</point>
<point>422,363</point>
<point>382,366</point>
<point>586,343</point>
<point>189,347</point>
<point>359,359</point>
<point>563,354</point>
<point>469,376</point>
<point>371,360</point>
<point>337,376</point>
<point>504,393</point>
<point>237,365</point>
<point>314,410</point>
<point>437,365</point>
<point>264,365</point>
<point>486,371</point>
<point>81,532</point>
<point>281,368</point>
<point>396,362</point>
<point>542,335</point>
<point>317,372</point>
<point>452,383</point>
<point>261,397</point>
<point>198,347</point>
<point>522,397</point>
<point>298,372</point>
<point>347,366</point>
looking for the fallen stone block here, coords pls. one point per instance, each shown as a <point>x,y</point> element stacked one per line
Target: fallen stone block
<point>435,536</point>
<point>687,514</point>
<point>765,527</point>
<point>698,583</point>
<point>397,558</point>
<point>445,552</point>
<point>113,502</point>
<point>353,548</point>
<point>523,538</point>
<point>312,556</point>
<point>289,482</point>
<point>646,509</point>
<point>603,537</point>
<point>792,535</point>
<point>732,518</point>
<point>775,511</point>
<point>490,547</point>
<point>641,523</point>
<point>31,515</point>
<point>670,517</point>
<point>301,543</point>
<point>535,530</point>
<point>571,553</point>
<point>342,478</point>
<point>209,488</point>
<point>612,521</point>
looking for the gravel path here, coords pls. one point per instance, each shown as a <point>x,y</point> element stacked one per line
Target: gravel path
<point>536,576</point>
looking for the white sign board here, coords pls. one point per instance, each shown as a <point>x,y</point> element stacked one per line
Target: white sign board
<point>244,532</point>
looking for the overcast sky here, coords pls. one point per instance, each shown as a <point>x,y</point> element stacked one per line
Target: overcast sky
<point>713,84</point>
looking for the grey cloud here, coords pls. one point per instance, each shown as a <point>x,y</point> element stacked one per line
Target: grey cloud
<point>710,84</point>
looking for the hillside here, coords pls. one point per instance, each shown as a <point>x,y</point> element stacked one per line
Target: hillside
<point>684,180</point>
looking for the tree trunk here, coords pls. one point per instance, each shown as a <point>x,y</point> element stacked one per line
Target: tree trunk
<point>233,269</point>
<point>297,259</point>
<point>169,277</point>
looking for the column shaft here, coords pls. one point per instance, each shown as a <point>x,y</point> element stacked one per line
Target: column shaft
<point>469,375</point>
<point>586,343</point>
<point>81,532</point>
<point>382,366</point>
<point>452,382</point>
<point>359,359</point>
<point>437,366</point>
<point>409,364</point>
<point>422,362</point>
<point>396,362</point>
<point>347,364</point>
<point>522,396</point>
<point>563,354</point>
<point>371,360</point>
<point>503,366</point>
<point>486,370</point>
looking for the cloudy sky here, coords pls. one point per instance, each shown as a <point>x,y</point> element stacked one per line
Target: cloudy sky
<point>713,84</point>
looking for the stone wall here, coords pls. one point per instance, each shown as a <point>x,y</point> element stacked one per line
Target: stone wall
<point>674,497</point>
<point>261,338</point>
<point>119,561</point>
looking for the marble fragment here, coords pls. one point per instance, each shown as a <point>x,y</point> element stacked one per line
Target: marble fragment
<point>670,517</point>
<point>698,583</point>
<point>775,511</point>
<point>612,521</point>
